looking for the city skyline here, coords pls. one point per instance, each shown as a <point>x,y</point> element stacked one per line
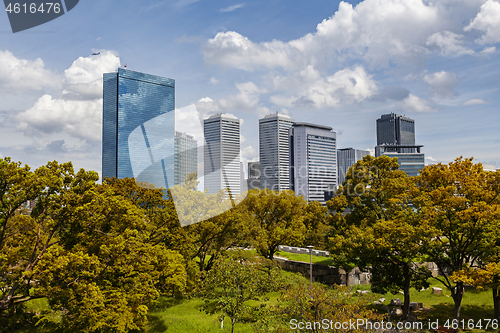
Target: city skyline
<point>340,64</point>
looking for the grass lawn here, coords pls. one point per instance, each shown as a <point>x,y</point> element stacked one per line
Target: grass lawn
<point>305,258</point>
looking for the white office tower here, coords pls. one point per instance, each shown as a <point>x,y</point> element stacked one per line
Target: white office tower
<point>274,152</point>
<point>222,153</point>
<point>313,161</point>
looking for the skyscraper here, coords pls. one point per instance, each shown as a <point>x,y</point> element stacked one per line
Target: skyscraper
<point>274,151</point>
<point>138,127</point>
<point>186,157</point>
<point>396,138</point>
<point>347,157</point>
<point>313,160</point>
<point>222,153</point>
<point>396,129</point>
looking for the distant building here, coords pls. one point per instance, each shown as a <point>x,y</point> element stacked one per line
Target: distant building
<point>398,130</point>
<point>186,157</point>
<point>138,127</point>
<point>347,157</point>
<point>396,138</point>
<point>222,153</point>
<point>253,181</point>
<point>274,151</point>
<point>313,161</point>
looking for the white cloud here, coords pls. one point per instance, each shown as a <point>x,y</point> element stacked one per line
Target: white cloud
<point>416,104</point>
<point>475,101</point>
<point>449,42</point>
<point>442,83</point>
<point>20,75</point>
<point>232,8</point>
<point>247,100</point>
<point>379,31</point>
<point>487,20</point>
<point>213,80</point>
<point>344,87</point>
<point>78,112</point>
<point>489,50</point>
<point>83,80</point>
<point>80,119</point>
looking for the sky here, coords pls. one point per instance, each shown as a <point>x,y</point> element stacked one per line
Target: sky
<point>339,64</point>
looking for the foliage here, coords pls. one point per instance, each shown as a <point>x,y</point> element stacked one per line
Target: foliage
<point>234,281</point>
<point>278,217</point>
<point>317,228</point>
<point>85,247</point>
<point>460,201</point>
<point>381,232</point>
<point>306,303</point>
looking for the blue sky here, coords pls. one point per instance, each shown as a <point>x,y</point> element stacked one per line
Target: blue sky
<point>340,64</point>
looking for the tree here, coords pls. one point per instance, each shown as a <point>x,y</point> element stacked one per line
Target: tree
<point>278,217</point>
<point>461,202</point>
<point>315,222</point>
<point>233,282</point>
<point>317,307</point>
<point>381,233</point>
<point>84,247</point>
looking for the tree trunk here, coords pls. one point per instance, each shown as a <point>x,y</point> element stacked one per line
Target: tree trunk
<point>457,293</point>
<point>406,290</point>
<point>496,303</point>
<point>233,320</point>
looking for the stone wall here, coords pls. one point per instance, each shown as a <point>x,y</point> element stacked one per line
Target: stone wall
<point>326,274</point>
<point>303,250</point>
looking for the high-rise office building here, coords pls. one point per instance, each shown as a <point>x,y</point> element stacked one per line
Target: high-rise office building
<point>396,130</point>
<point>396,138</point>
<point>313,161</point>
<point>138,127</point>
<point>253,181</point>
<point>186,157</point>
<point>346,158</point>
<point>222,153</point>
<point>274,151</point>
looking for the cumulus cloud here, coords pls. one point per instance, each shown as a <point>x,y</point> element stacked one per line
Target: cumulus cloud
<point>80,119</point>
<point>246,100</point>
<point>344,87</point>
<point>475,101</point>
<point>213,80</point>
<point>83,80</point>
<point>442,83</point>
<point>416,104</point>
<point>78,112</point>
<point>487,21</point>
<point>450,43</point>
<point>21,75</point>
<point>378,31</point>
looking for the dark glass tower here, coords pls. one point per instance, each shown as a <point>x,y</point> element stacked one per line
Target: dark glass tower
<point>138,127</point>
<point>396,129</point>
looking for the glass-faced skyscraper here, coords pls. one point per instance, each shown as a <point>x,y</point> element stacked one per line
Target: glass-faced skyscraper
<point>186,157</point>
<point>138,127</point>
<point>274,152</point>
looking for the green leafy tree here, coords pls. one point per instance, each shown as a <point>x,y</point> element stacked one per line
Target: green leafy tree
<point>278,217</point>
<point>315,221</point>
<point>318,307</point>
<point>84,247</point>
<point>460,201</point>
<point>235,280</point>
<point>386,239</point>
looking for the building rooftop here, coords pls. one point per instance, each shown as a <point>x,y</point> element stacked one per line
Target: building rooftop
<point>328,128</point>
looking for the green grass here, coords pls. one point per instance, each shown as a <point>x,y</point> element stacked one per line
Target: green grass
<point>305,258</point>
